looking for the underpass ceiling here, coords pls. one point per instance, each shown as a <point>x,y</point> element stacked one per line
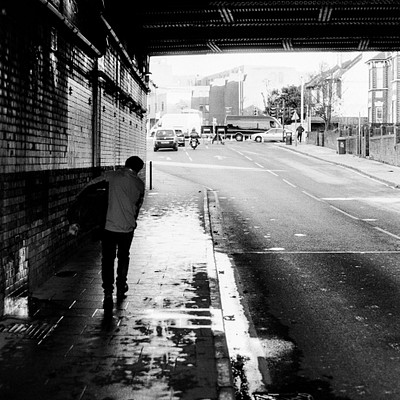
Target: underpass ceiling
<point>203,27</point>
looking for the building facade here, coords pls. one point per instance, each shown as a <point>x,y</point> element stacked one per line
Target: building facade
<point>242,90</point>
<point>339,95</point>
<point>384,88</point>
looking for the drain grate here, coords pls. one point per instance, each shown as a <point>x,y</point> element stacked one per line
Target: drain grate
<point>32,331</point>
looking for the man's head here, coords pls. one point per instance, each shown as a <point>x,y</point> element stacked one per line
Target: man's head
<point>135,163</point>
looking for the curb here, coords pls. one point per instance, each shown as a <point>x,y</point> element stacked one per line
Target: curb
<point>225,384</point>
<point>389,183</point>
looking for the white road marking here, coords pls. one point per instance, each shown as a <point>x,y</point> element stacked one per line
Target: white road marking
<point>250,159</point>
<point>271,172</point>
<point>311,195</point>
<point>289,183</point>
<point>344,212</point>
<point>210,166</point>
<point>261,166</point>
<point>386,232</point>
<point>269,251</point>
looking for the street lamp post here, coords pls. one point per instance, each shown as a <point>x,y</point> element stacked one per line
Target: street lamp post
<point>302,102</point>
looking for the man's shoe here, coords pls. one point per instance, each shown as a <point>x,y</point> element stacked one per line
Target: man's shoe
<point>108,301</point>
<point>121,293</point>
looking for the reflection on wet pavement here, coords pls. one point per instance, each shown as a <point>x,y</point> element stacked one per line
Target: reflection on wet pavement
<point>157,344</point>
<point>247,354</point>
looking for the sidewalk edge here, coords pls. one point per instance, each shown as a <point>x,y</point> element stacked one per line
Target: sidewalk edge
<point>223,364</point>
<point>387,182</point>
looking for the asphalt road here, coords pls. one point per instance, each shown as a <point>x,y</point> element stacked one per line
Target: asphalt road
<point>315,251</point>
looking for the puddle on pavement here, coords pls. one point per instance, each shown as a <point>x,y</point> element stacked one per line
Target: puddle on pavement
<point>160,345</point>
<point>170,330</point>
<point>16,306</point>
<point>246,352</point>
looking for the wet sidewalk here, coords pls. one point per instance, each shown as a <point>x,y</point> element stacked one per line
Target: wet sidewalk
<point>165,341</point>
<point>382,172</point>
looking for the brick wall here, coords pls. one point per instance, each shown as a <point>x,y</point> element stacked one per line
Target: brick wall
<point>384,149</point>
<point>65,114</point>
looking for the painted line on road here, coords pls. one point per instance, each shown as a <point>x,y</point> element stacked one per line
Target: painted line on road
<point>342,198</point>
<point>344,212</point>
<point>387,232</point>
<point>212,166</point>
<point>259,165</point>
<point>311,195</point>
<point>289,183</point>
<point>271,172</point>
<point>250,159</point>
<point>190,158</point>
<point>318,252</point>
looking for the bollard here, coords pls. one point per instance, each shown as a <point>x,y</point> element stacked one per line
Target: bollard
<point>151,175</point>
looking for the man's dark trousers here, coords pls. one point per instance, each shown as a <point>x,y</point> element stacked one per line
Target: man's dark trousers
<point>115,244</point>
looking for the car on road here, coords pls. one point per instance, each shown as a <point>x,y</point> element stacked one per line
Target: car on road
<point>273,134</point>
<point>181,137</point>
<point>165,138</point>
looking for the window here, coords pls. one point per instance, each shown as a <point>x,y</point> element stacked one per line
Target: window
<point>379,114</point>
<point>371,78</point>
<point>392,69</point>
<point>339,89</point>
<point>379,77</point>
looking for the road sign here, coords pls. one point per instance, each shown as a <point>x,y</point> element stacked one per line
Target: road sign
<point>295,116</point>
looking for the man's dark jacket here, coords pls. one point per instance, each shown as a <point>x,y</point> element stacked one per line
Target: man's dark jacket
<point>89,210</point>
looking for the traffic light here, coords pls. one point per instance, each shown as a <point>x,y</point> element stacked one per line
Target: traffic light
<point>272,111</point>
<point>255,112</point>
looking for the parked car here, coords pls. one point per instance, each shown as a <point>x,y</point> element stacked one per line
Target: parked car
<point>165,139</point>
<point>273,134</point>
<point>181,137</point>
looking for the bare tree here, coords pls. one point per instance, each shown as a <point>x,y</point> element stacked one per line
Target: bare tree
<point>321,90</point>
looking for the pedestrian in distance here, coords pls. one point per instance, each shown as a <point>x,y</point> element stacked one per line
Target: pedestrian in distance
<point>217,137</point>
<point>125,197</point>
<point>300,131</point>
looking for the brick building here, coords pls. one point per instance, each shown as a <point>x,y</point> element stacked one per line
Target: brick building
<point>72,103</point>
<point>238,91</point>
<point>343,88</point>
<point>384,88</point>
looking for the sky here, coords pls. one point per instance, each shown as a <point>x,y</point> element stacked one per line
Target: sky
<point>204,65</point>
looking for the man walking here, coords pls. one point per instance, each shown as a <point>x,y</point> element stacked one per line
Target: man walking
<point>125,198</point>
<point>300,131</point>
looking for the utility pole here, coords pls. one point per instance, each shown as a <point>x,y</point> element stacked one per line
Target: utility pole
<point>302,102</point>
